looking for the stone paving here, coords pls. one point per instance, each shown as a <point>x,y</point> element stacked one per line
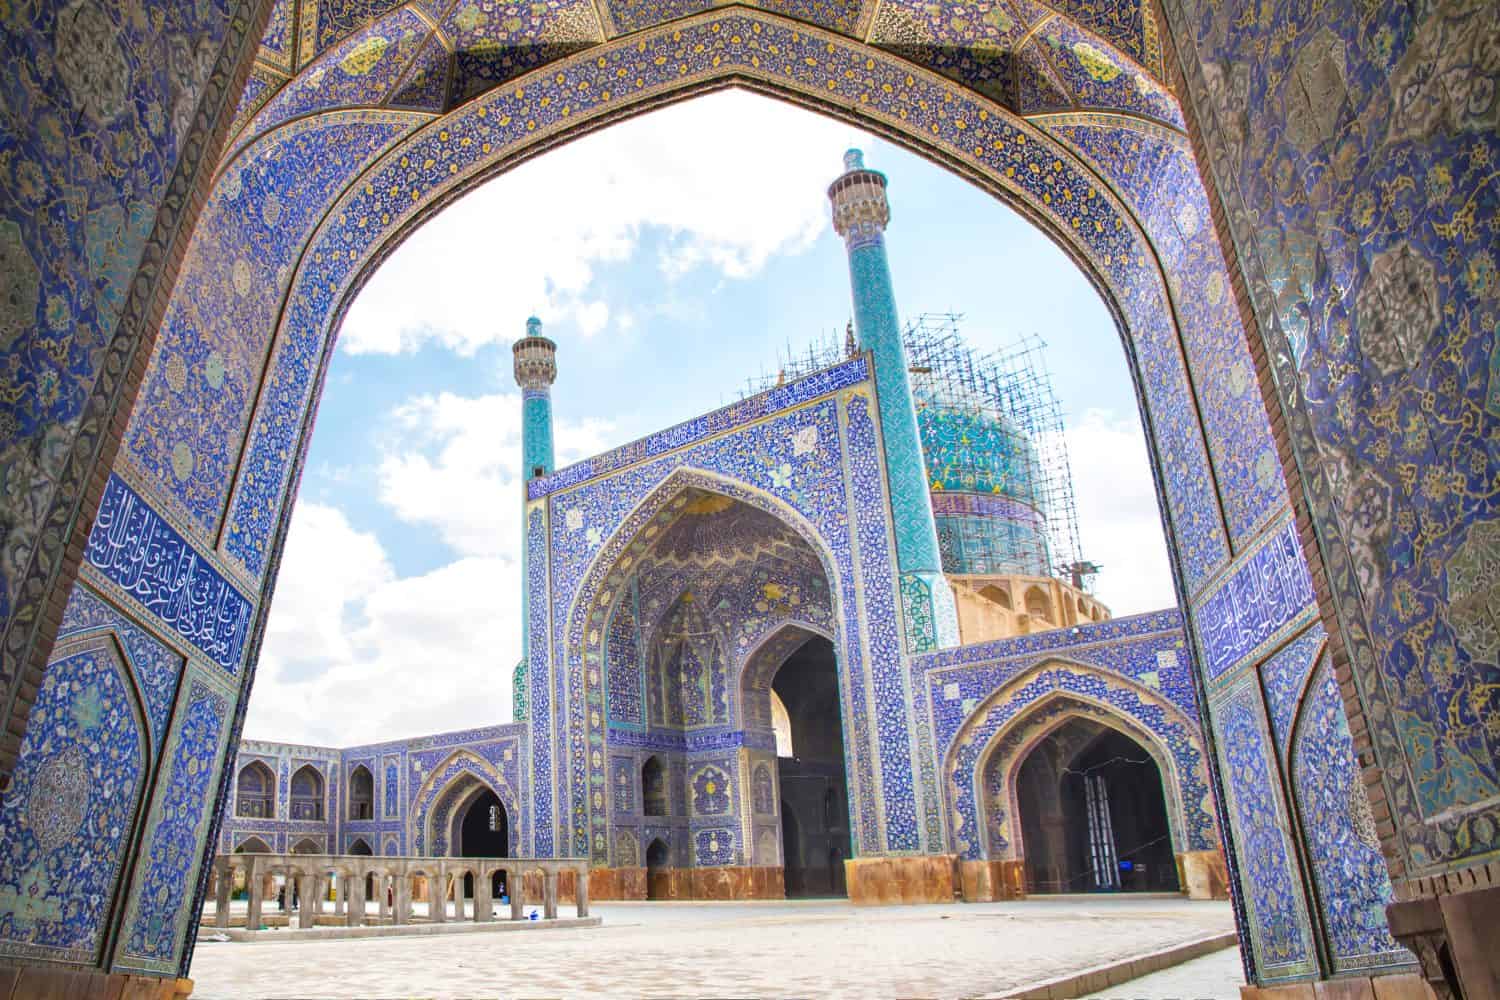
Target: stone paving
<point>1213,977</point>
<point>756,949</point>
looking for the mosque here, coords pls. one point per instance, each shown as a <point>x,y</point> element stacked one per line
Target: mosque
<point>830,620</point>
<point>811,642</point>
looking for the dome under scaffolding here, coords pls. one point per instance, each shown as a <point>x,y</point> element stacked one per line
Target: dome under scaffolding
<point>994,447</point>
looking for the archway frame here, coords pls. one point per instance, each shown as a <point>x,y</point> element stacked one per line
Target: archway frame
<point>1006,763</point>
<point>1195,821</point>
<point>601,585</point>
<point>456,770</point>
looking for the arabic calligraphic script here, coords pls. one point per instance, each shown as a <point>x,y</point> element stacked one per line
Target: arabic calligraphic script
<point>139,551</point>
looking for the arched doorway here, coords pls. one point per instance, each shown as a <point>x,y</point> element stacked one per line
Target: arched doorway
<point>657,859</point>
<point>481,829</point>
<point>814,785</point>
<point>1093,813</point>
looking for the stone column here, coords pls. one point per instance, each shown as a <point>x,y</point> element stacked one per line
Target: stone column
<point>517,895</point>
<point>340,890</point>
<point>354,912</point>
<point>549,895</point>
<point>581,891</point>
<point>437,897</point>
<point>223,888</point>
<point>484,897</point>
<point>306,907</point>
<point>255,884</point>
<point>402,914</point>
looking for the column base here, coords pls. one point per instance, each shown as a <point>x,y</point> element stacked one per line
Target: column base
<point>925,878</point>
<point>23,982</point>
<point>989,881</point>
<point>1398,986</point>
<point>1203,875</point>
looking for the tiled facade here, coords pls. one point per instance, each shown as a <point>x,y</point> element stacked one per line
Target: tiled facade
<point>1291,215</point>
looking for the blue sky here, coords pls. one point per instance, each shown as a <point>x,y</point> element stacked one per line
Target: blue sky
<point>671,257</point>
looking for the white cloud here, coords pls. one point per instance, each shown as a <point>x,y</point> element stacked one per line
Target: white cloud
<point>430,653</point>
<point>451,463</point>
<point>531,240</point>
<point>1118,514</point>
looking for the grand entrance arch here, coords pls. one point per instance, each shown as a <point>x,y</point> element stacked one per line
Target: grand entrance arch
<point>166,410</point>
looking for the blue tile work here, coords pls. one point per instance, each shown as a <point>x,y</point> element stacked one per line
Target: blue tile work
<point>362,69</point>
<point>495,42</point>
<point>430,803</point>
<point>1266,595</point>
<point>879,328</point>
<point>159,914</point>
<point>138,554</point>
<point>1358,182</point>
<point>1284,677</point>
<point>414,778</point>
<point>1145,161</point>
<point>1353,884</point>
<point>100,106</point>
<point>543,725</point>
<point>72,809</point>
<point>1098,77</point>
<point>1358,290</point>
<point>156,665</point>
<point>1270,883</point>
<point>993,698</point>
<point>207,366</point>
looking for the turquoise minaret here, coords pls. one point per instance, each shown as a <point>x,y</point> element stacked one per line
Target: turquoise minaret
<point>860,215</point>
<point>536,370</point>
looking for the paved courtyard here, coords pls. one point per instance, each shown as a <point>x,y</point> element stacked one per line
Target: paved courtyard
<point>760,949</point>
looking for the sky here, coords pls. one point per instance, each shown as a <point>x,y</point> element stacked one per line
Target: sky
<point>671,257</point>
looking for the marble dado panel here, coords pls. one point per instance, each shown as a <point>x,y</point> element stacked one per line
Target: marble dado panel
<point>1262,597</point>
<point>159,572</point>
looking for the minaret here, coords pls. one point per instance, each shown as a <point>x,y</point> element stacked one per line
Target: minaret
<point>860,214</point>
<point>536,370</point>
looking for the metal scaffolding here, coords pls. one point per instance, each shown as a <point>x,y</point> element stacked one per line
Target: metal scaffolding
<point>1023,452</point>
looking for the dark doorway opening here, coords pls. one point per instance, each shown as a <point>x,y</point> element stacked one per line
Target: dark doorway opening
<point>814,787</point>
<point>656,870</point>
<point>484,832</point>
<point>1094,814</point>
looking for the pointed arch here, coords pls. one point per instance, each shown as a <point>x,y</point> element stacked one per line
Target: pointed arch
<point>253,845</point>
<point>361,793</point>
<point>307,792</point>
<point>255,791</point>
<point>444,785</point>
<point>1121,701</point>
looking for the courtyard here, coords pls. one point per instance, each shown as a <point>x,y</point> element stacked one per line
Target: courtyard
<point>814,948</point>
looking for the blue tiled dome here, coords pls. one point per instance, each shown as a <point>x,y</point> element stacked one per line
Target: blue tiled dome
<point>984,476</point>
